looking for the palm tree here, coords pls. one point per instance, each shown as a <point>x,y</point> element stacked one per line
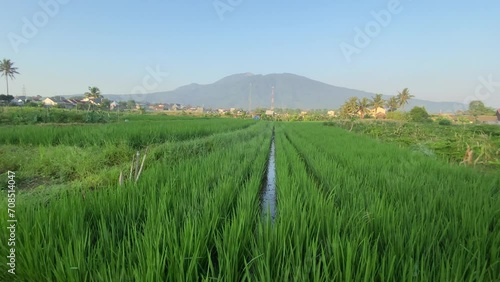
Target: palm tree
<point>350,107</point>
<point>93,93</point>
<point>378,102</point>
<point>363,105</point>
<point>392,104</point>
<point>8,70</point>
<point>403,97</point>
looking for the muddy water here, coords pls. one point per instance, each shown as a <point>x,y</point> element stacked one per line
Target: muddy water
<point>268,197</point>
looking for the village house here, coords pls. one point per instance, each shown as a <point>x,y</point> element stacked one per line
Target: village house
<point>378,110</point>
<point>174,107</point>
<point>59,101</point>
<point>93,101</point>
<point>113,105</point>
<point>269,113</point>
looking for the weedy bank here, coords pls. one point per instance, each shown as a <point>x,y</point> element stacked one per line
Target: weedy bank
<point>448,142</point>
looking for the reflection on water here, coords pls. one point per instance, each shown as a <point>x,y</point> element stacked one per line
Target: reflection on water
<point>268,197</point>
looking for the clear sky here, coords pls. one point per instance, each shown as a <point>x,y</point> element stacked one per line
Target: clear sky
<point>438,49</point>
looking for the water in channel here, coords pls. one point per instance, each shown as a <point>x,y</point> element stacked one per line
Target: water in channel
<point>268,197</point>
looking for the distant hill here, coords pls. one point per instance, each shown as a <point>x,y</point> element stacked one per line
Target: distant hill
<point>291,91</point>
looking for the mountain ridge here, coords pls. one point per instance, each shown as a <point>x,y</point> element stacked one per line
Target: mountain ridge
<point>291,91</point>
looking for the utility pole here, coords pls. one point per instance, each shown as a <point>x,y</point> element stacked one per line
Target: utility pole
<point>272,100</point>
<point>250,100</point>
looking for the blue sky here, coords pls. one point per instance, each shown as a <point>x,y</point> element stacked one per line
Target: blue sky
<point>438,49</point>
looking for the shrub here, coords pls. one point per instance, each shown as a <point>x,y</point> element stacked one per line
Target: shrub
<point>419,114</point>
<point>444,121</point>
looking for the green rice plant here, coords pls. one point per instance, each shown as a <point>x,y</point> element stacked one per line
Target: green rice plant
<point>395,213</point>
<point>179,222</point>
<point>137,134</point>
<point>349,208</point>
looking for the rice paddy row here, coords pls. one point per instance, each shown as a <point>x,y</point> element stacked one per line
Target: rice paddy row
<point>183,221</point>
<point>349,208</point>
<point>352,208</point>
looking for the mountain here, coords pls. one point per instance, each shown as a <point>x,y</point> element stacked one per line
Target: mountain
<point>291,91</point>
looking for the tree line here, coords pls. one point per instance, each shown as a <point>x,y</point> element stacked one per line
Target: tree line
<point>361,106</point>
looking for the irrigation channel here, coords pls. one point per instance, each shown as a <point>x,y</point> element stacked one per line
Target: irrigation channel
<point>268,195</point>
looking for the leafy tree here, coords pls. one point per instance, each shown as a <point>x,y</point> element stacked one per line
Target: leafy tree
<point>6,98</point>
<point>419,114</point>
<point>32,104</point>
<point>378,101</point>
<point>477,108</point>
<point>8,70</point>
<point>122,105</point>
<point>131,104</point>
<point>363,105</point>
<point>105,104</point>
<point>392,104</point>
<point>403,98</point>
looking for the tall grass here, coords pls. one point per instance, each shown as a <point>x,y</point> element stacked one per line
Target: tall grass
<point>182,221</point>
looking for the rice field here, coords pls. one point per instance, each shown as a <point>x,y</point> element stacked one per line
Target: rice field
<point>348,207</point>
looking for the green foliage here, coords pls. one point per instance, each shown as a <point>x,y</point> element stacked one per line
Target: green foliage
<point>8,70</point>
<point>392,104</point>
<point>404,97</point>
<point>400,116</point>
<point>6,98</point>
<point>477,108</point>
<point>444,121</point>
<point>448,142</point>
<point>93,93</point>
<point>419,114</point>
<point>105,104</point>
<point>32,104</point>
<point>350,108</point>
<point>378,101</point>
<point>131,104</point>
